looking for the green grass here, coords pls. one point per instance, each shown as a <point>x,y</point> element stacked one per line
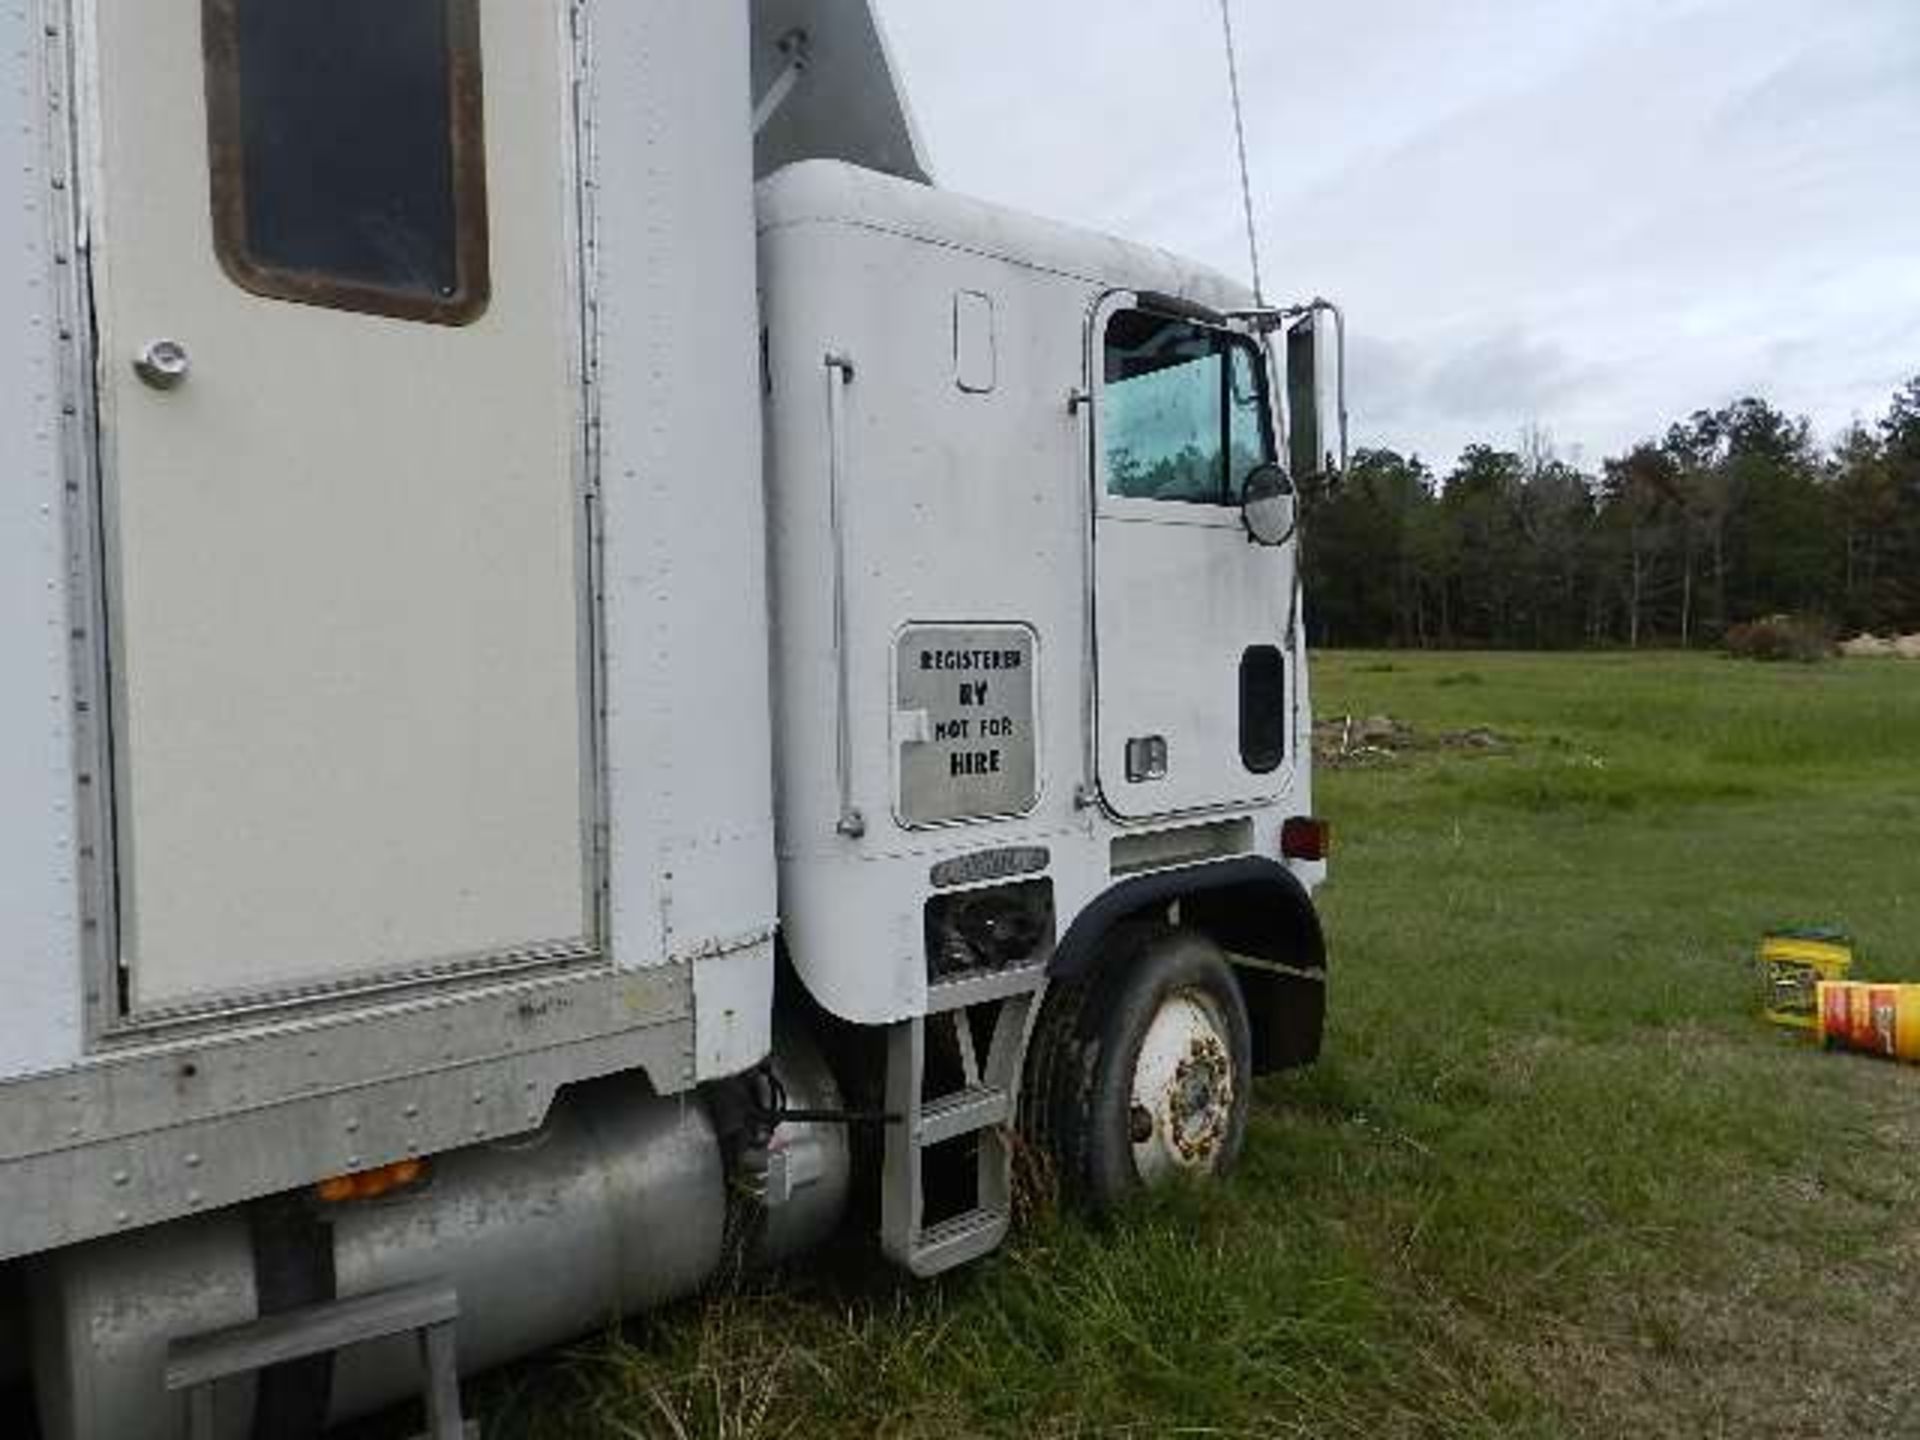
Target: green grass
<point>1552,1177</point>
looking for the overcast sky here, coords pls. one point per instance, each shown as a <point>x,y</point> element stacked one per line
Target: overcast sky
<point>1593,216</point>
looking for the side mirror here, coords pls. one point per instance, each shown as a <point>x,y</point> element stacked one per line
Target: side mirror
<point>1270,506</point>
<point>1317,409</point>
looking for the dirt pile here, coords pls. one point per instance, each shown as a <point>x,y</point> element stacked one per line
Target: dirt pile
<point>1381,739</point>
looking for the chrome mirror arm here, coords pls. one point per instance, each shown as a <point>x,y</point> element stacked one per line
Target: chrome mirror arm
<point>1265,320</point>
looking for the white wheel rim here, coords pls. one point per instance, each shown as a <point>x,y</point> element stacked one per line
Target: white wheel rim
<point>1183,1089</point>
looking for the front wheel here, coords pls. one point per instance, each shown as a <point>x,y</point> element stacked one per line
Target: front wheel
<point>1142,1074</point>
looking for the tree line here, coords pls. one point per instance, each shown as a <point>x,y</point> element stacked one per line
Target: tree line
<point>1734,515</point>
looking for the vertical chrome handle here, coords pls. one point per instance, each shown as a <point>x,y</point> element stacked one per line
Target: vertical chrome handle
<point>852,823</point>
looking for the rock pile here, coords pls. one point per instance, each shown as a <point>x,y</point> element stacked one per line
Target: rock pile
<point>1875,647</point>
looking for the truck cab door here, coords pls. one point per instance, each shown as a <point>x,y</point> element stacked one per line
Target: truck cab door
<point>1191,619</point>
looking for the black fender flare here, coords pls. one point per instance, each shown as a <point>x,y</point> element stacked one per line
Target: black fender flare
<point>1253,908</point>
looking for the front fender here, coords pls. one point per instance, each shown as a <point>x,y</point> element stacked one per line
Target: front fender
<point>1253,908</point>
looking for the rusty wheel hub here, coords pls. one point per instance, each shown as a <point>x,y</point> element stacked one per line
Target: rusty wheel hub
<point>1183,1089</point>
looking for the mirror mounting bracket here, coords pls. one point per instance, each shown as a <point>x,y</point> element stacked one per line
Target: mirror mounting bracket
<point>1267,320</point>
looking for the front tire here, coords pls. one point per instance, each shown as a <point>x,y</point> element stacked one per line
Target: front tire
<point>1142,1074</point>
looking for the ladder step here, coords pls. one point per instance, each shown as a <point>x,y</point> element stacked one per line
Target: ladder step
<point>962,991</point>
<point>430,1310</point>
<point>979,1107</point>
<point>957,1241</point>
<point>312,1330</point>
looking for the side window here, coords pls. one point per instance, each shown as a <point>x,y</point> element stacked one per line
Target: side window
<point>1185,412</point>
<point>349,165</point>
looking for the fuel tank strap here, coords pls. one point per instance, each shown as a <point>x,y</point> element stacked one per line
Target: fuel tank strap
<point>292,1267</point>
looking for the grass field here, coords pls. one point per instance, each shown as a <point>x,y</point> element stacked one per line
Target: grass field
<point>1552,1177</point>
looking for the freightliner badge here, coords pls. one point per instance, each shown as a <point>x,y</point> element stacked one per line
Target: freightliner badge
<point>964,723</point>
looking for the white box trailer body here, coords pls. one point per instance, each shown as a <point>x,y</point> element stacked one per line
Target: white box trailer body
<point>322,668</point>
<point>415,614</point>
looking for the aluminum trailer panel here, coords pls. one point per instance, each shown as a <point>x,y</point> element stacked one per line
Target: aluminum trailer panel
<point>111,1118</point>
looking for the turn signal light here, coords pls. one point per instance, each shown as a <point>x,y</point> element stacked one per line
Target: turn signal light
<point>371,1184</point>
<point>1304,838</point>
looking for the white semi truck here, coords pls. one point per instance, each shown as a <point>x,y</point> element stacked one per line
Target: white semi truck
<point>598,679</point>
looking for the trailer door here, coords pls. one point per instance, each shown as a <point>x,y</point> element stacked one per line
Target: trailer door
<point>335,293</point>
<point>1190,618</point>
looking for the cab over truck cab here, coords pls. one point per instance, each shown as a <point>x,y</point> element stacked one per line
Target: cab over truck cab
<point>1040,704</point>
<point>531,717</point>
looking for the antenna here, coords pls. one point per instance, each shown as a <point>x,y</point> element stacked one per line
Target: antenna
<point>1240,139</point>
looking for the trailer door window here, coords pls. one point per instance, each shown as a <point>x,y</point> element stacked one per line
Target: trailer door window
<point>1184,415</point>
<point>349,165</point>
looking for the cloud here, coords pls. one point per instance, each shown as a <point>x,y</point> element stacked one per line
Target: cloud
<point>1592,215</point>
<point>1498,376</point>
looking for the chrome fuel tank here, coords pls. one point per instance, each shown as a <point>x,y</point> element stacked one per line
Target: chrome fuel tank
<point>620,1202</point>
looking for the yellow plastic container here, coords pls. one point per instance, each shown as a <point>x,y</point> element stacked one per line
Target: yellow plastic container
<point>1873,1019</point>
<point>1793,963</point>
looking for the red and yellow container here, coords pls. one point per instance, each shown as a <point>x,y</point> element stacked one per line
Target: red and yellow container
<point>1874,1019</point>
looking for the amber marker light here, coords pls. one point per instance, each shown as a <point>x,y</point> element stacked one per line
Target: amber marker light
<point>371,1184</point>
